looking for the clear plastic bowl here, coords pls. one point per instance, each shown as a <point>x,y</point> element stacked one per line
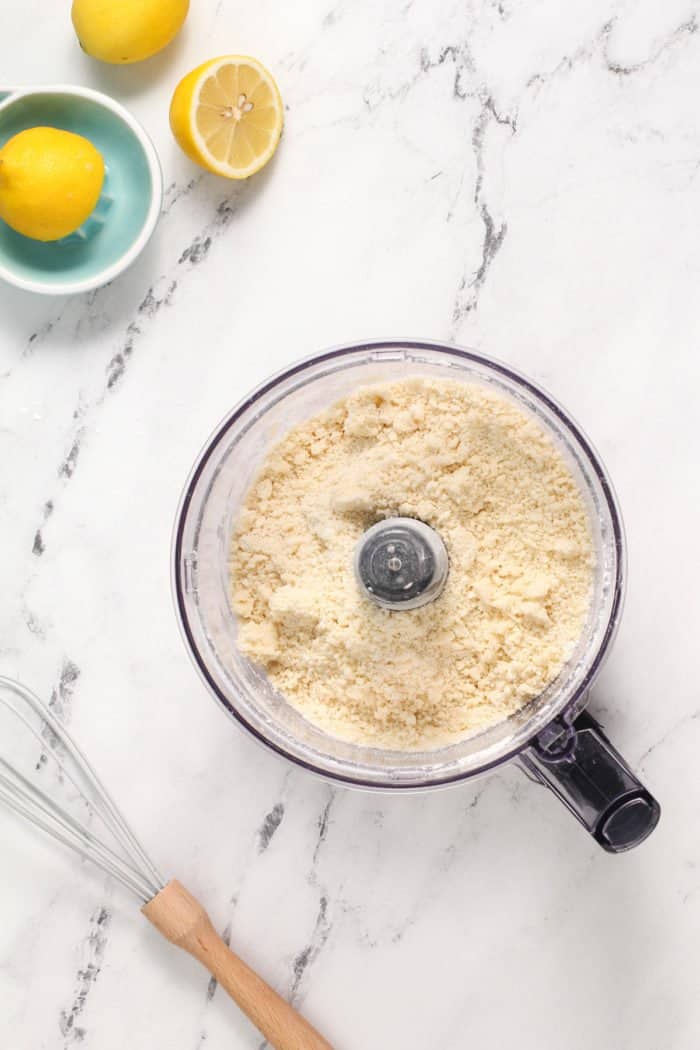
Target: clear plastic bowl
<point>211,502</point>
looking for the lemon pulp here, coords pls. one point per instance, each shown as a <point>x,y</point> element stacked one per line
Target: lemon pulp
<point>227,115</point>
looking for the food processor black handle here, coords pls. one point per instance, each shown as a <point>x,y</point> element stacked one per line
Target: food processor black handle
<point>579,764</point>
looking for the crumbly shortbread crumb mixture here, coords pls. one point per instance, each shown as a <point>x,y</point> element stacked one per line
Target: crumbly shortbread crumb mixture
<point>468,462</point>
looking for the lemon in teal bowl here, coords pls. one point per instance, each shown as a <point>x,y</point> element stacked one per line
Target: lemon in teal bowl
<point>126,192</point>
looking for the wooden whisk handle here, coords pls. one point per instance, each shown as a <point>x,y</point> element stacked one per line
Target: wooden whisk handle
<point>181,919</point>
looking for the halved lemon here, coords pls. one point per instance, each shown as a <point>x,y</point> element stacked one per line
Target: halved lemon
<point>227,115</point>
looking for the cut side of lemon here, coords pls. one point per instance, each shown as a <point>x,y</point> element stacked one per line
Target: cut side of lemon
<point>227,115</point>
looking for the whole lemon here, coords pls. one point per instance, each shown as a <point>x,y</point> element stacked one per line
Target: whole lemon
<point>119,31</point>
<point>50,182</point>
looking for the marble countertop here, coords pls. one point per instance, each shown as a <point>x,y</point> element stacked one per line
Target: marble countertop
<point>507,175</point>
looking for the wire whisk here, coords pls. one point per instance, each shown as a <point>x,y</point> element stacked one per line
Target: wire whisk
<point>133,868</point>
<point>87,820</point>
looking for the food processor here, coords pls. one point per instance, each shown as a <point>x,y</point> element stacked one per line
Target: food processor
<point>401,566</point>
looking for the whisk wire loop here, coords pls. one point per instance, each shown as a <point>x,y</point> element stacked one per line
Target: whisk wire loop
<point>134,869</point>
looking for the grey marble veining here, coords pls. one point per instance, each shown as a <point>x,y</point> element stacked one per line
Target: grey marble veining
<point>513,176</point>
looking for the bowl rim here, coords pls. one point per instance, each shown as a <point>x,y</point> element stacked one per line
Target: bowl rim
<point>573,704</point>
<point>155,171</point>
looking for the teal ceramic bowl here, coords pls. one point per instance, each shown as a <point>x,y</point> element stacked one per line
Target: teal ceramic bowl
<point>127,212</point>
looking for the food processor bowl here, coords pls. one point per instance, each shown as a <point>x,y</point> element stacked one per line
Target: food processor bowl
<point>544,733</point>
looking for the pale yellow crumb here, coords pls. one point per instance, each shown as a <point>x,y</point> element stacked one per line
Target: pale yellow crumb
<point>487,477</point>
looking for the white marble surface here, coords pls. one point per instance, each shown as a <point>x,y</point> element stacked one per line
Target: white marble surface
<point>521,176</point>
